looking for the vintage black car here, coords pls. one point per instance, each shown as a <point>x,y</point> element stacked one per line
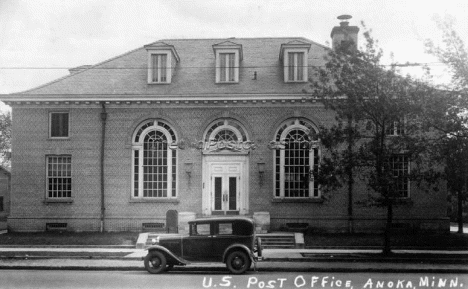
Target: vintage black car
<point>230,240</point>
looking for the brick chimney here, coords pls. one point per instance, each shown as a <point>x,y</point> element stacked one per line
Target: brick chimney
<point>344,33</point>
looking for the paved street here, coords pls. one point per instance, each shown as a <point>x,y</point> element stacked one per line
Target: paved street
<point>136,279</point>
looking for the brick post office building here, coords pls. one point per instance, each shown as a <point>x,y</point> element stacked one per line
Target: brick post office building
<point>186,125</point>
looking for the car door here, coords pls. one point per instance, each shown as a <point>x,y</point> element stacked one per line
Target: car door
<point>223,237</point>
<point>198,246</point>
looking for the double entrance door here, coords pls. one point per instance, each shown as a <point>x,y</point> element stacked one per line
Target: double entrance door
<point>225,188</point>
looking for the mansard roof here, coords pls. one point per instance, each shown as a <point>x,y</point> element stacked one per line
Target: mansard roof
<point>261,71</point>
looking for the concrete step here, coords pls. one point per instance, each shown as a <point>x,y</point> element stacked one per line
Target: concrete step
<point>278,240</point>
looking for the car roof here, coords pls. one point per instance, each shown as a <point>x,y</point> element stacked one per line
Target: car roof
<point>221,219</point>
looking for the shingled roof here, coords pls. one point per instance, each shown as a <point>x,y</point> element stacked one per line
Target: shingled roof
<point>194,74</point>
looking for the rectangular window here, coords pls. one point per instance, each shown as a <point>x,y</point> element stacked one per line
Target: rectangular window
<point>400,168</point>
<point>296,66</point>
<point>201,230</point>
<point>225,229</point>
<point>396,128</point>
<point>227,65</point>
<point>59,124</point>
<point>159,68</point>
<point>1,204</point>
<point>59,178</point>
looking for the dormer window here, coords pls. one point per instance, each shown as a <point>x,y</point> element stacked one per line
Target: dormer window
<point>294,56</point>
<point>228,56</point>
<point>159,69</point>
<point>296,71</point>
<point>162,59</point>
<point>227,67</point>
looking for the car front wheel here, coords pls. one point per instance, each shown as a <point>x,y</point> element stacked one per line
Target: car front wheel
<point>238,262</point>
<point>155,262</point>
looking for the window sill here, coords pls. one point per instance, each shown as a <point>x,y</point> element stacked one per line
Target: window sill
<point>176,201</point>
<point>59,201</point>
<point>298,200</point>
<point>59,138</point>
<point>159,83</point>
<point>227,82</point>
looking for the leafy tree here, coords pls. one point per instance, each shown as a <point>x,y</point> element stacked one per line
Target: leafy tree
<point>450,115</point>
<point>5,138</point>
<point>378,129</point>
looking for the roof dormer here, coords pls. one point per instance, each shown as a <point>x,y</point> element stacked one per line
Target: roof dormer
<point>162,59</point>
<point>294,57</point>
<point>228,56</point>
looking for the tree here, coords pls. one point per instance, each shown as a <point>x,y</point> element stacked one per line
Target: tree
<point>450,115</point>
<point>5,138</point>
<point>378,130</point>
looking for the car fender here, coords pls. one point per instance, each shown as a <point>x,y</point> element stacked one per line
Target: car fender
<point>239,246</point>
<point>167,252</point>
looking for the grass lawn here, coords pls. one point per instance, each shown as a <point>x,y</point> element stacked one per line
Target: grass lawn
<point>452,240</point>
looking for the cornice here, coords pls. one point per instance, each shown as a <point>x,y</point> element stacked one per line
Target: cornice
<point>36,99</point>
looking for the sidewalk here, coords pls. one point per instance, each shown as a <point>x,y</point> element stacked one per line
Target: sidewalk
<point>287,260</point>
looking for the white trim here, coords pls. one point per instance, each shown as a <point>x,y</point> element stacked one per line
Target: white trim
<point>243,182</point>
<point>226,127</point>
<point>138,146</point>
<point>168,54</point>
<point>98,98</point>
<point>286,64</point>
<point>62,177</point>
<point>218,65</point>
<point>295,125</point>
<point>50,125</point>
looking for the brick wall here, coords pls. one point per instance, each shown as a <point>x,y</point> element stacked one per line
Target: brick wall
<point>31,145</point>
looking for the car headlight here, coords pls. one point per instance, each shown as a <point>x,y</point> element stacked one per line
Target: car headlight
<point>155,241</point>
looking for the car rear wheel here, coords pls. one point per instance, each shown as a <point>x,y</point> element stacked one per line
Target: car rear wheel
<point>238,262</point>
<point>155,262</point>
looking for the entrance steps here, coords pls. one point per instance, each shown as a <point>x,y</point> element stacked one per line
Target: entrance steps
<point>279,240</point>
<point>274,240</point>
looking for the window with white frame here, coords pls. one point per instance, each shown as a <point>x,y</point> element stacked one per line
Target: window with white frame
<point>162,60</point>
<point>296,68</point>
<point>228,56</point>
<point>154,161</point>
<point>59,124</point>
<point>296,160</point>
<point>59,177</point>
<point>159,68</point>
<point>399,166</point>
<point>294,56</point>
<point>225,134</point>
<point>227,67</point>
<point>396,128</point>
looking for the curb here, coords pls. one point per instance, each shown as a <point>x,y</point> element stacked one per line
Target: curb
<point>316,259</point>
<point>224,269</point>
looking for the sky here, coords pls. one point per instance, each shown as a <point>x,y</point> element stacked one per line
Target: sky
<point>41,39</point>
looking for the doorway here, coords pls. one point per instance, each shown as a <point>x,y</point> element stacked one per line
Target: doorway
<point>225,185</point>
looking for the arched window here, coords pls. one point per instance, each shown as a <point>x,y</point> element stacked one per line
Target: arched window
<point>225,134</point>
<point>296,160</point>
<point>154,162</point>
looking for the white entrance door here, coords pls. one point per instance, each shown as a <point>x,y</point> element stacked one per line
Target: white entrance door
<point>225,189</point>
<point>225,185</point>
